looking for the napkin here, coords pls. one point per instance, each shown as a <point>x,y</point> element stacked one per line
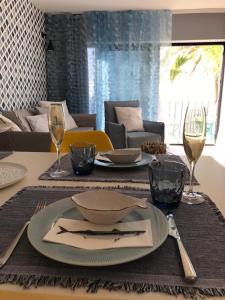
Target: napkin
<point>100,156</point>
<point>98,242</point>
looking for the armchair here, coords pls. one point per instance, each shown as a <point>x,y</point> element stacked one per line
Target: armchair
<point>120,138</point>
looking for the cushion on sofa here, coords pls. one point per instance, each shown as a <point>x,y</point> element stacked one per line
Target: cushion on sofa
<point>69,121</point>
<point>13,117</point>
<point>38,123</point>
<point>38,110</point>
<point>21,115</point>
<point>131,117</point>
<point>7,125</point>
<point>48,103</point>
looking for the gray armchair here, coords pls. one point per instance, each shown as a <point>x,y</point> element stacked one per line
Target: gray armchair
<point>154,131</point>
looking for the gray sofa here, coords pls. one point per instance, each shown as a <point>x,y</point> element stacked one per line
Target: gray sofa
<point>153,131</point>
<point>37,141</point>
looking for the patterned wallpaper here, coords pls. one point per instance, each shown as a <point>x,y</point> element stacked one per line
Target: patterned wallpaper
<point>22,55</point>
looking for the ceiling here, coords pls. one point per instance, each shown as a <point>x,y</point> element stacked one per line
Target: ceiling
<point>177,6</point>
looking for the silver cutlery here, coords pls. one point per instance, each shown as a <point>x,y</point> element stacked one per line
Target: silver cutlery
<point>7,253</point>
<point>189,271</point>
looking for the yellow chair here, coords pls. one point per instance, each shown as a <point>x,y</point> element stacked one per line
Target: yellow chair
<point>99,138</point>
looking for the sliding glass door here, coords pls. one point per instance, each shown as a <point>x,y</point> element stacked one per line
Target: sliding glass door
<point>190,73</point>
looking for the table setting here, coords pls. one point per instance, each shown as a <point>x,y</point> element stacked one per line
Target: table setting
<point>122,238</point>
<point>83,160</point>
<point>159,270</point>
<point>104,171</point>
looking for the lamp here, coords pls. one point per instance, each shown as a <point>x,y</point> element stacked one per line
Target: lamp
<point>50,44</point>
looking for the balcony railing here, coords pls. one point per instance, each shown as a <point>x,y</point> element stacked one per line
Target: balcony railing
<point>175,120</point>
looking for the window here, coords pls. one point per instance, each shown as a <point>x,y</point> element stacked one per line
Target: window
<point>190,73</point>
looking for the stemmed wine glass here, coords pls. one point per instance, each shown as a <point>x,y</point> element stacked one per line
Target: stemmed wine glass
<point>56,125</point>
<point>194,135</point>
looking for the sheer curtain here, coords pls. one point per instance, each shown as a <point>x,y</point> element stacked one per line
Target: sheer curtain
<point>124,58</point>
<point>102,56</point>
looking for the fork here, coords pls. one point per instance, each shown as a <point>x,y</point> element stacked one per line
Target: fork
<point>7,253</point>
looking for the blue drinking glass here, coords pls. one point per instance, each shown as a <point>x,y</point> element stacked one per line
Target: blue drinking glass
<point>167,179</point>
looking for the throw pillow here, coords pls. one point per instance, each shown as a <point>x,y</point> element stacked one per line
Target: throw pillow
<point>19,118</point>
<point>7,125</point>
<point>12,117</point>
<point>21,115</point>
<point>48,103</point>
<point>38,123</point>
<point>38,110</point>
<point>69,121</point>
<point>131,117</point>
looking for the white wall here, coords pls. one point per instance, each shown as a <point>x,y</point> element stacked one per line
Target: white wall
<point>197,27</point>
<point>220,143</point>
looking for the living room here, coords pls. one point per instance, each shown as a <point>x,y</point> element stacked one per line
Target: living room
<point>29,68</point>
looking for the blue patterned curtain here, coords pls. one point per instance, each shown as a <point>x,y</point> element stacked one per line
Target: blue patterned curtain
<point>124,58</point>
<point>67,65</point>
<point>102,56</point>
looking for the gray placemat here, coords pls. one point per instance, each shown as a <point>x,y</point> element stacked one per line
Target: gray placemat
<point>4,154</point>
<point>202,228</point>
<point>103,174</point>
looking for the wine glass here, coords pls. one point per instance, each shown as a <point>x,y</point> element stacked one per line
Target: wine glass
<point>56,126</point>
<point>194,134</point>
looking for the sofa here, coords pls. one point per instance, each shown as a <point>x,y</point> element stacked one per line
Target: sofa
<point>28,140</point>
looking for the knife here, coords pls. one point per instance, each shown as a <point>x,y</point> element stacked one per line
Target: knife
<point>189,271</point>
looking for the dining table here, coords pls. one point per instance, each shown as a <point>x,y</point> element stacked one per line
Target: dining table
<point>209,172</point>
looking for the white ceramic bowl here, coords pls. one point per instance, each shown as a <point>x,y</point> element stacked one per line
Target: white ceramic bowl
<point>106,207</point>
<point>123,156</point>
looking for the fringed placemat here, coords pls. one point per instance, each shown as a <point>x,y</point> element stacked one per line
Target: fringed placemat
<point>202,228</point>
<point>103,174</point>
<point>4,154</point>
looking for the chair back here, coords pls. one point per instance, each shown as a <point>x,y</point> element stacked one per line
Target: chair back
<point>110,114</point>
<point>99,138</point>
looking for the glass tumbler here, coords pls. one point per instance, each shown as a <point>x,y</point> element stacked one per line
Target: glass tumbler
<point>167,179</point>
<point>82,158</point>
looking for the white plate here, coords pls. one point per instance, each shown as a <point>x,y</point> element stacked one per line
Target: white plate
<point>11,173</point>
<point>43,221</point>
<point>146,160</point>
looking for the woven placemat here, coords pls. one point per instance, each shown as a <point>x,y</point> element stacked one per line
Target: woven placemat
<point>202,228</point>
<point>4,154</point>
<point>103,174</point>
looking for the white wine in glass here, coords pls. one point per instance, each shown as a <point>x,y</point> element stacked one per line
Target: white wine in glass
<point>56,125</point>
<point>194,135</point>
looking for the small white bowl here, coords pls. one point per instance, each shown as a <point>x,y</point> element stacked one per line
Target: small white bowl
<point>123,156</point>
<point>106,207</point>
